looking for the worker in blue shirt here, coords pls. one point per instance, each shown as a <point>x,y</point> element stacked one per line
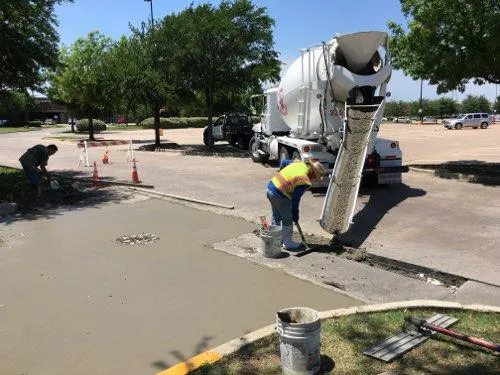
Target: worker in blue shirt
<point>285,190</point>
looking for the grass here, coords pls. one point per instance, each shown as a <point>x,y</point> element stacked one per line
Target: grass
<point>14,185</point>
<point>119,127</point>
<point>4,130</point>
<point>344,339</point>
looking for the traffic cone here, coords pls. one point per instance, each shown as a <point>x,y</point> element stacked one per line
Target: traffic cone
<point>105,159</point>
<point>135,176</point>
<point>95,177</point>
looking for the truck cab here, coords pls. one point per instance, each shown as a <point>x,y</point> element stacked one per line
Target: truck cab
<point>234,128</point>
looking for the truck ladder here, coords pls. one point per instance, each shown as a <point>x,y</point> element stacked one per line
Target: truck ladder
<point>340,200</point>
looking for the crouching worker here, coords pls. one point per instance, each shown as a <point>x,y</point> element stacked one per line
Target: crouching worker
<point>37,156</point>
<point>284,192</point>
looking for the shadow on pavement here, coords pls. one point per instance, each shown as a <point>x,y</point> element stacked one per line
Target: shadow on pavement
<point>218,150</point>
<point>382,199</point>
<point>76,193</point>
<point>473,171</point>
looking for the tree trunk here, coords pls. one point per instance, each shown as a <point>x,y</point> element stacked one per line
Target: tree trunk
<point>157,127</point>
<point>91,129</point>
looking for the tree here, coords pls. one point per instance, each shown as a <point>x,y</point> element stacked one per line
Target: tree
<point>449,42</point>
<point>475,104</point>
<point>496,105</point>
<point>81,81</point>
<point>29,42</point>
<point>142,70</point>
<point>13,104</point>
<point>220,50</point>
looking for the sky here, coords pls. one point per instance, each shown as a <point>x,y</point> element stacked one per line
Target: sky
<point>298,24</point>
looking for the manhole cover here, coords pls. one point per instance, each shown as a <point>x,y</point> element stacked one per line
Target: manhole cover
<point>138,239</point>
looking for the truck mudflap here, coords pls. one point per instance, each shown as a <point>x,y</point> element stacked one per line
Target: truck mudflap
<point>340,200</point>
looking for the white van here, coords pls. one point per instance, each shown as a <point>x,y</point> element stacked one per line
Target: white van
<point>471,120</point>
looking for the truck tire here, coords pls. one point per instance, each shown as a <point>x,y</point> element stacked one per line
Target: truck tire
<point>484,125</point>
<point>256,156</point>
<point>207,139</point>
<point>458,126</point>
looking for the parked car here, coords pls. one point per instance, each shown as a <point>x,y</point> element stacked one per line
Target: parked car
<point>2,122</point>
<point>429,120</point>
<point>49,121</point>
<point>403,120</point>
<point>470,120</point>
<point>235,128</point>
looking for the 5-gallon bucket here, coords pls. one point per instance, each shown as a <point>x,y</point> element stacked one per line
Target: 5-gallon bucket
<point>299,333</point>
<point>271,241</point>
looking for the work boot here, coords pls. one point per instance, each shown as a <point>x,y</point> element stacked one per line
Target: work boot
<point>288,243</point>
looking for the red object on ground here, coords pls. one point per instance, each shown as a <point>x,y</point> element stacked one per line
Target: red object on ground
<point>135,175</point>
<point>95,176</point>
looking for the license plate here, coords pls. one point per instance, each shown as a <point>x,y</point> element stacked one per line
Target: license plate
<point>389,178</point>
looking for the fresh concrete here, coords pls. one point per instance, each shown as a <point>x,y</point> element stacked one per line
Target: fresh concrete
<point>74,301</point>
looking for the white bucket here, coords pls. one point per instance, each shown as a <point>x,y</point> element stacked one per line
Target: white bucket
<point>271,241</point>
<point>299,331</point>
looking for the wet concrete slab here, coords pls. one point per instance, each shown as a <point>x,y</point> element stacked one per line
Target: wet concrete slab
<point>74,300</point>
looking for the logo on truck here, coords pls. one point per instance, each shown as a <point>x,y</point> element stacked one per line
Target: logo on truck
<point>281,102</point>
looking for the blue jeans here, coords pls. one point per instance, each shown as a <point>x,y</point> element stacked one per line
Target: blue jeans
<point>33,175</point>
<point>282,209</point>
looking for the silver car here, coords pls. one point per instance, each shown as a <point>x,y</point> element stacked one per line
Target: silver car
<point>470,120</point>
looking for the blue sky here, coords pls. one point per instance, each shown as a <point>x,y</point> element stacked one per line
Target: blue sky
<point>299,24</point>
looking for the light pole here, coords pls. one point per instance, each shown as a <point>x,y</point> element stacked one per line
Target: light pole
<point>420,110</point>
<point>151,4</point>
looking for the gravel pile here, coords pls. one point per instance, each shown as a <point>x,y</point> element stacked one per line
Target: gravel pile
<point>342,193</point>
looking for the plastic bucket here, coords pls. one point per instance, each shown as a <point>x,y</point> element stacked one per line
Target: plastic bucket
<point>271,241</point>
<point>299,331</point>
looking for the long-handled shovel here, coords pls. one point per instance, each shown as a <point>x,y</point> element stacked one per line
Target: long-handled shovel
<point>419,323</point>
<point>307,249</point>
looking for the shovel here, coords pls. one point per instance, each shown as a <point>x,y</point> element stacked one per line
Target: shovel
<point>308,249</point>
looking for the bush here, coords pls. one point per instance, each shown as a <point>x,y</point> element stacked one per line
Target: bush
<point>30,124</point>
<point>175,122</point>
<point>83,125</point>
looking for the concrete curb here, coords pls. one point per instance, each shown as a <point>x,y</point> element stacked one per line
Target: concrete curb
<point>232,346</point>
<point>490,180</point>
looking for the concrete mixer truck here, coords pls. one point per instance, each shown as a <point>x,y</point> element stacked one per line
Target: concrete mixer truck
<point>329,106</point>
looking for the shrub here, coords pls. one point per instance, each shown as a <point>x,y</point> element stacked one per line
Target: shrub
<point>175,122</point>
<point>83,125</point>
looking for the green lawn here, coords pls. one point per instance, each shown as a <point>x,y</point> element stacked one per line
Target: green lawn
<point>344,339</point>
<point>17,130</point>
<point>117,127</point>
<point>14,185</point>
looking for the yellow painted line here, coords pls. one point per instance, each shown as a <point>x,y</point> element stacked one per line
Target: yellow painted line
<point>192,364</point>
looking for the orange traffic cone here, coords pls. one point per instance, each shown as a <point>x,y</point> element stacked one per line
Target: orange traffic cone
<point>105,159</point>
<point>135,176</point>
<point>95,176</point>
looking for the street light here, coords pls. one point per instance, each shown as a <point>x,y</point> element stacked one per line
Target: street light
<point>151,3</point>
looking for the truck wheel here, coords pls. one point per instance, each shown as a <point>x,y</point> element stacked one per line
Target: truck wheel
<point>458,126</point>
<point>284,154</point>
<point>256,156</point>
<point>207,139</point>
<point>484,125</point>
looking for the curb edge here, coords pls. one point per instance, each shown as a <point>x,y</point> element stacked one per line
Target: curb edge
<point>214,355</point>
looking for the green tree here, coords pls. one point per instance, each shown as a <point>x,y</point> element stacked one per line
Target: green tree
<point>143,72</point>
<point>448,42</point>
<point>13,104</point>
<point>475,104</point>
<point>221,50</point>
<point>448,107</point>
<point>81,81</point>
<point>28,42</point>
<point>496,105</point>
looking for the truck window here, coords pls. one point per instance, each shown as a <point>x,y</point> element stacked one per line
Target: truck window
<point>477,115</point>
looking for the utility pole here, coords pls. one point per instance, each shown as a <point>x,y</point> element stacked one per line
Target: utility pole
<point>420,110</point>
<point>151,4</point>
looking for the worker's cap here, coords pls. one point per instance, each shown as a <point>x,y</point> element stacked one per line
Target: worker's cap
<point>317,168</point>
